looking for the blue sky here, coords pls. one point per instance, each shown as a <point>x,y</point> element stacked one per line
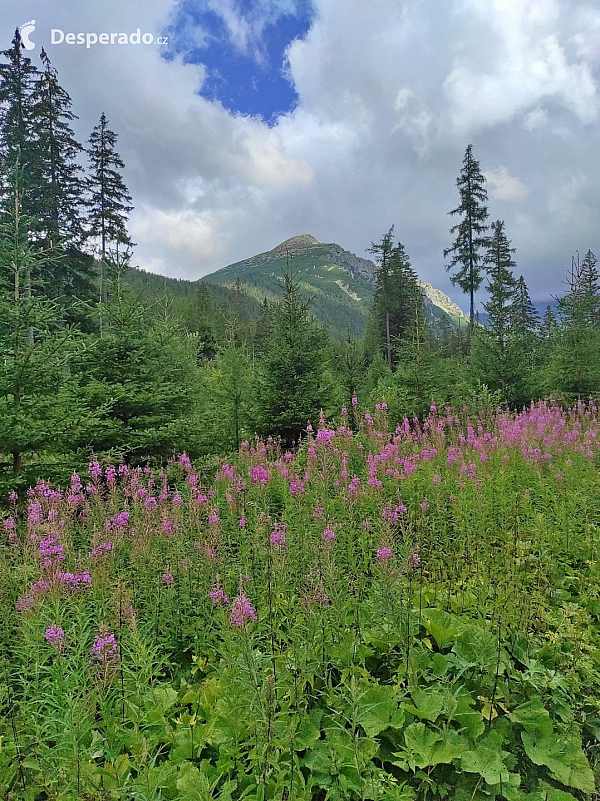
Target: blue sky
<point>250,79</point>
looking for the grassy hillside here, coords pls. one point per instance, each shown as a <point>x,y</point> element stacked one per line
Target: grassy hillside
<point>339,284</point>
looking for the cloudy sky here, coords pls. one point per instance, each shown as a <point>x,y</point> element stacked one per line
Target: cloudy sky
<point>262,119</point>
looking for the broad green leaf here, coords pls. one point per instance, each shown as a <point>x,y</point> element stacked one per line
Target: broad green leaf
<point>471,720</point>
<point>533,716</point>
<point>193,785</point>
<point>426,748</point>
<point>564,759</point>
<point>428,704</point>
<point>487,762</point>
<point>309,730</point>
<point>376,707</point>
<point>442,626</point>
<point>161,699</point>
<point>552,794</point>
<point>420,742</point>
<point>476,646</point>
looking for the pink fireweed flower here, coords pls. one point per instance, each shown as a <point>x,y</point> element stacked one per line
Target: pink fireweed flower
<point>184,461</point>
<point>328,536</point>
<point>55,636</point>
<point>94,470</point>
<point>218,597</point>
<point>414,560</point>
<point>168,527</point>
<point>242,612</point>
<point>177,499</point>
<point>34,513</point>
<point>278,538</point>
<point>259,475</point>
<point>167,578</point>
<point>13,497</point>
<point>344,410</point>
<point>318,512</point>
<point>104,650</point>
<point>383,554</point>
<point>75,581</point>
<point>296,488</point>
<point>101,550</point>
<point>355,401</point>
<point>242,522</point>
<point>425,504</point>
<point>437,479</point>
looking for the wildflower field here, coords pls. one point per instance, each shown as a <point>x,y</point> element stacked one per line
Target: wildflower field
<point>408,614</point>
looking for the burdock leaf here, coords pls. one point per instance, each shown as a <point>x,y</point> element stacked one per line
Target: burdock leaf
<point>564,759</point>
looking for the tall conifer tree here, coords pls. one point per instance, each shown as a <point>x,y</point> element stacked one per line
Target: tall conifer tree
<point>17,83</point>
<point>525,321</point>
<point>470,231</point>
<point>493,356</point>
<point>109,200</point>
<point>58,192</point>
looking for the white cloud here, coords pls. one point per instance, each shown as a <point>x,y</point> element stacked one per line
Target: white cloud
<point>504,186</point>
<point>536,118</point>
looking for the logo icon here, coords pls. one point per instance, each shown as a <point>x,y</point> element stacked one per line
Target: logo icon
<point>25,30</point>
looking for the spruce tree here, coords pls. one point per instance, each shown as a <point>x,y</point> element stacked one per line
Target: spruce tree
<point>494,358</point>
<point>264,327</point>
<point>549,326</point>
<point>290,388</point>
<point>109,201</point>
<point>587,290</point>
<point>142,372</point>
<point>574,365</point>
<point>525,321</point>
<point>470,231</point>
<point>230,387</point>
<point>383,294</point>
<point>397,298</point>
<point>40,410</point>
<point>58,195</point>
<point>57,188</point>
<point>17,83</point>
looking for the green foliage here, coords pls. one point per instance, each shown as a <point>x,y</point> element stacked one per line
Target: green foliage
<point>471,675</point>
<point>290,389</point>
<point>142,371</point>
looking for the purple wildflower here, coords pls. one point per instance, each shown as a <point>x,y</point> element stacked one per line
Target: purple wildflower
<point>241,611</point>
<point>55,636</point>
<point>218,597</point>
<point>104,650</point>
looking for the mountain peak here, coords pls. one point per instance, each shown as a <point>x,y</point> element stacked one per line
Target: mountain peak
<point>297,243</point>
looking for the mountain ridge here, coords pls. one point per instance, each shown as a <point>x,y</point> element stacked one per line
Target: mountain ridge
<point>341,284</point>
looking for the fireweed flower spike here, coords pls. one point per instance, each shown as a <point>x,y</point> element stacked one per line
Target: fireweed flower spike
<point>242,611</point>
<point>104,656</point>
<point>55,636</point>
